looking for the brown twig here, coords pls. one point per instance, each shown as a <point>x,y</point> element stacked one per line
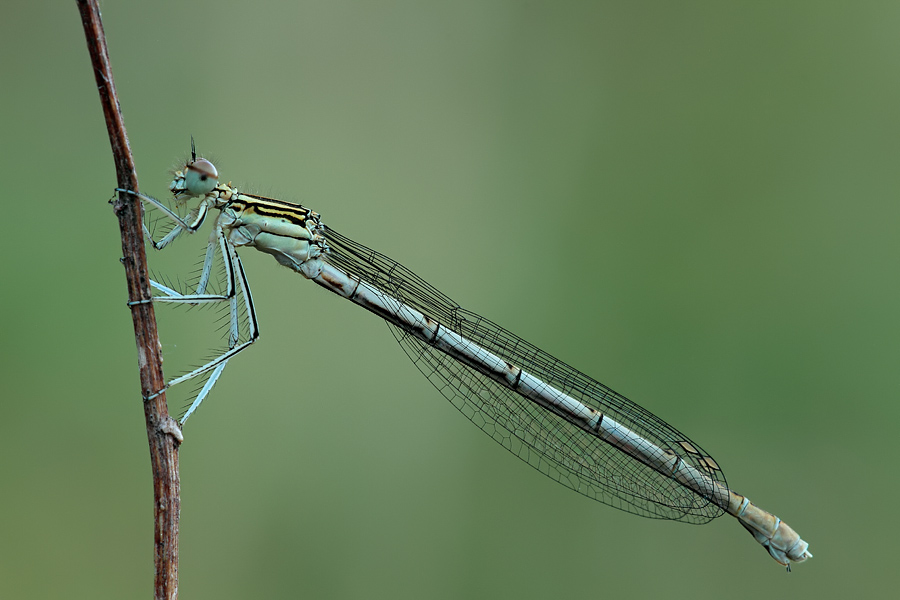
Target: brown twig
<point>163,432</point>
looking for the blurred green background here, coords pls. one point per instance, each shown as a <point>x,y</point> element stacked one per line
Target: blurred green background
<point>693,202</point>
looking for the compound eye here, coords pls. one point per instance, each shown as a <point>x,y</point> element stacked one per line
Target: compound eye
<point>200,177</point>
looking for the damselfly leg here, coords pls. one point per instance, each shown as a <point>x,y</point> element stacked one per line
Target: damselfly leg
<point>235,281</point>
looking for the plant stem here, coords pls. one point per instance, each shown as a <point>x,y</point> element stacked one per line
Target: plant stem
<point>163,432</point>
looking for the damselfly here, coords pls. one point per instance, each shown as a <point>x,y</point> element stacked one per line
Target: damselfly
<point>563,423</point>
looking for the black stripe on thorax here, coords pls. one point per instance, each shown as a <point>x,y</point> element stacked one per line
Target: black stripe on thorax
<point>270,207</point>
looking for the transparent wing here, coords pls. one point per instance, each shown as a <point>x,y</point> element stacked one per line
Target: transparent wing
<point>554,446</point>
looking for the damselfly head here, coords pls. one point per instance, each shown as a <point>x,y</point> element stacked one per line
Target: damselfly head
<point>196,178</point>
<point>200,177</point>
